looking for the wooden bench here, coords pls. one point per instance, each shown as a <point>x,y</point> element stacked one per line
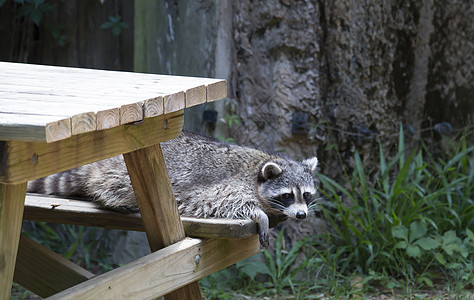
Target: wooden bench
<point>48,274</point>
<point>53,119</point>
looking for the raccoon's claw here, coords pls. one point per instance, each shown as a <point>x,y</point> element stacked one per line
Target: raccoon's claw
<point>263,236</point>
<point>262,220</point>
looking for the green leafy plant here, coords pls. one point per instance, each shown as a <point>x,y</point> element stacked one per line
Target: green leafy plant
<point>33,9</point>
<point>115,25</point>
<point>323,271</point>
<point>58,35</point>
<point>415,213</point>
<point>281,267</point>
<point>231,119</point>
<point>267,273</point>
<point>415,240</point>
<point>86,246</point>
<point>215,286</point>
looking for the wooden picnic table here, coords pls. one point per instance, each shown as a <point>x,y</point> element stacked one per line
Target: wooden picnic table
<point>56,118</point>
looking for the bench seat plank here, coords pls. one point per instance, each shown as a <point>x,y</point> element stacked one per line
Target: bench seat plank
<point>82,212</point>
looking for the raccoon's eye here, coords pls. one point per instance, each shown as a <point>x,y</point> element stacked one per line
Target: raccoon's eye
<point>286,196</point>
<point>307,196</point>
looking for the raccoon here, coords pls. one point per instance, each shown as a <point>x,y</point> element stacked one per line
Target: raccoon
<point>210,179</point>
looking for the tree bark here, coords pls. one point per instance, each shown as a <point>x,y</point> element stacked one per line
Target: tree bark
<point>356,69</point>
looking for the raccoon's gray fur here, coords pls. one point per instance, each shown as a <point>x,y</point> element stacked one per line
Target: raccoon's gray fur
<point>210,179</point>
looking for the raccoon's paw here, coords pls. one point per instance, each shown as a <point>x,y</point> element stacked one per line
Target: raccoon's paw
<point>263,237</point>
<point>263,226</point>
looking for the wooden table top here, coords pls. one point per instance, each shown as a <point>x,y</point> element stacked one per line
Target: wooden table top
<point>49,103</point>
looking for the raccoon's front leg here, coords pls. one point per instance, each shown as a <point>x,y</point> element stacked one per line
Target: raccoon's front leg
<point>263,226</point>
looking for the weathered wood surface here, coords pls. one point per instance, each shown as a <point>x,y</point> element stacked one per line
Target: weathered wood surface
<point>24,161</point>
<point>43,272</point>
<point>46,103</point>
<point>11,211</point>
<point>151,184</point>
<point>86,213</point>
<point>165,270</point>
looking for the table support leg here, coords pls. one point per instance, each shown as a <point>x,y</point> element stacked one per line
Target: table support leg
<point>12,199</point>
<point>158,207</point>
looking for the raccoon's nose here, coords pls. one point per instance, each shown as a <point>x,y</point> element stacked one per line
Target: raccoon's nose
<point>300,215</point>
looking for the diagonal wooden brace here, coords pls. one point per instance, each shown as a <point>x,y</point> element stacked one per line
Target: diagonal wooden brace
<point>154,194</point>
<point>44,272</point>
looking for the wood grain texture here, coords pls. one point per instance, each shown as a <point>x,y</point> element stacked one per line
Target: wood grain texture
<point>24,161</point>
<point>165,270</point>
<point>154,194</point>
<point>158,207</point>
<point>44,272</point>
<point>79,212</point>
<point>51,104</point>
<point>216,91</point>
<point>85,122</point>
<point>174,102</point>
<point>195,96</point>
<point>40,110</point>
<point>131,113</point>
<point>11,214</point>
<point>153,107</point>
<point>108,118</point>
<point>13,127</point>
<point>58,130</point>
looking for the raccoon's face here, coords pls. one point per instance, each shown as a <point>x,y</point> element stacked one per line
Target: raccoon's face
<point>285,187</point>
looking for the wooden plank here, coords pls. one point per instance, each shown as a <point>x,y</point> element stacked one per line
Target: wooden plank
<point>108,118</point>
<point>11,213</point>
<point>58,130</point>
<point>34,75</point>
<point>76,212</point>
<point>151,184</point>
<point>77,79</point>
<point>28,90</point>
<point>219,228</point>
<point>82,123</point>
<point>164,270</point>
<point>196,96</point>
<point>24,161</point>
<point>59,105</point>
<point>84,81</point>
<point>87,213</point>
<point>95,94</point>
<point>44,272</point>
<point>81,80</point>
<point>216,91</point>
<point>153,107</point>
<point>174,102</point>
<point>13,127</point>
<point>131,113</point>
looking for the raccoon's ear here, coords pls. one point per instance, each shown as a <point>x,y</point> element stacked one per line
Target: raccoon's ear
<point>311,163</point>
<point>270,170</point>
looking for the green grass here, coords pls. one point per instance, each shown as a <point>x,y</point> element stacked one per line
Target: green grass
<point>410,228</point>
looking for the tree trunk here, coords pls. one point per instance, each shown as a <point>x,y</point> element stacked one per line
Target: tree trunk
<point>355,70</point>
